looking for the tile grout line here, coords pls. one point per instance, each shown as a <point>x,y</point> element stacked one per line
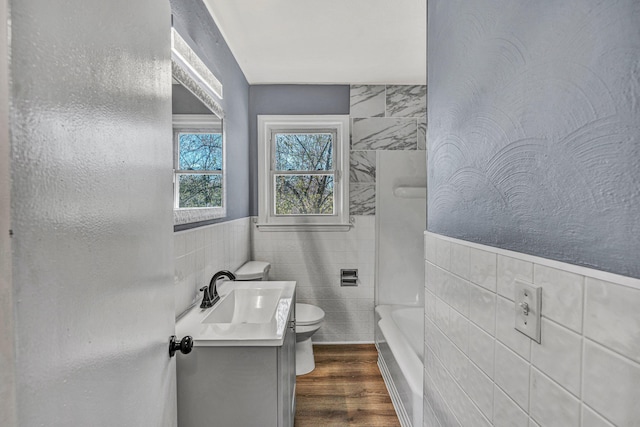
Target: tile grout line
<point>443,400</point>
<point>519,357</point>
<point>473,402</point>
<point>611,351</point>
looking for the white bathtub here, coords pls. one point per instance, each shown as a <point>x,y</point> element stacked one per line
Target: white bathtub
<point>400,343</point>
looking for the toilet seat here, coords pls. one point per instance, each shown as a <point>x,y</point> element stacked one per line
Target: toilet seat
<point>307,314</point>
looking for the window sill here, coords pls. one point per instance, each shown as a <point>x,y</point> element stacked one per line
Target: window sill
<point>186,216</point>
<point>304,227</point>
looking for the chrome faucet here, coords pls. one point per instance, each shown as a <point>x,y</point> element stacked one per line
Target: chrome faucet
<point>211,292</point>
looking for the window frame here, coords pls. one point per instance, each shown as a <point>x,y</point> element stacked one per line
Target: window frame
<point>268,125</point>
<point>197,123</point>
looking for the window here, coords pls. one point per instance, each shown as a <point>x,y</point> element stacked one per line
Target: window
<point>198,167</point>
<point>303,171</point>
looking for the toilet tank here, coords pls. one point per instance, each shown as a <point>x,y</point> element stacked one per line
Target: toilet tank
<point>253,270</point>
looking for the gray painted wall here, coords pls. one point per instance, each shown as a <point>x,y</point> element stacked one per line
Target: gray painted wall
<point>534,128</point>
<point>192,20</point>
<point>185,102</point>
<point>288,100</point>
<point>91,214</point>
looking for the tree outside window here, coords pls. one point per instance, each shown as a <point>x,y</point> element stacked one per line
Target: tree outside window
<point>302,162</point>
<point>303,173</point>
<point>199,173</point>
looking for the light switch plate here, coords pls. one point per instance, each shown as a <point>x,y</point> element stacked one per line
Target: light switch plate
<point>528,304</point>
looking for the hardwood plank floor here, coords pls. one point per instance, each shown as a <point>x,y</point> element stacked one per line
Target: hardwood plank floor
<point>345,389</point>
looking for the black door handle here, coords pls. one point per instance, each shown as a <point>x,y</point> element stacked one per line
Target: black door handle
<point>185,345</point>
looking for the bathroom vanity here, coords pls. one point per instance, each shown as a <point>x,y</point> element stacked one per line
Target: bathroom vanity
<point>242,369</point>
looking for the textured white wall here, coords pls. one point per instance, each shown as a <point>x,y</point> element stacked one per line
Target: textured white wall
<point>91,169</point>
<point>534,126</point>
<point>7,383</point>
<point>480,371</point>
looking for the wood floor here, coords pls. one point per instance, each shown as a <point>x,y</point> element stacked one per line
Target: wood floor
<point>345,389</point>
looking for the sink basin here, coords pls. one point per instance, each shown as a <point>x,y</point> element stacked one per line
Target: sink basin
<point>251,314</point>
<point>240,306</point>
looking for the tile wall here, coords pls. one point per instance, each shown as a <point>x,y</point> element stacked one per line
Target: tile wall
<point>383,117</point>
<point>479,371</point>
<point>314,260</point>
<point>202,251</point>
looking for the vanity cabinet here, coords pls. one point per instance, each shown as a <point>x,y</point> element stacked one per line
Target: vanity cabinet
<point>239,386</point>
<point>287,375</point>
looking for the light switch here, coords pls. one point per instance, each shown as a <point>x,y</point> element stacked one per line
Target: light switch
<point>528,302</point>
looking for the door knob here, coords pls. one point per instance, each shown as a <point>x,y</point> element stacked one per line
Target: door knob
<point>185,345</point>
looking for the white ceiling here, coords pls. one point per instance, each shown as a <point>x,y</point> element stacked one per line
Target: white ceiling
<point>326,41</point>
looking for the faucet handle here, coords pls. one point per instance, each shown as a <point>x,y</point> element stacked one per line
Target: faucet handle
<point>206,298</point>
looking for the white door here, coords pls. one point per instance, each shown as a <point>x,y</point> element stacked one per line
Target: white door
<point>91,216</point>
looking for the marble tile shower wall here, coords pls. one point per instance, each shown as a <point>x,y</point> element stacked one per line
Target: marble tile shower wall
<point>391,117</point>
<point>202,251</point>
<point>479,371</point>
<point>314,260</point>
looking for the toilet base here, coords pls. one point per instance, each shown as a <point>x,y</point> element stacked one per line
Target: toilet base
<point>305,362</point>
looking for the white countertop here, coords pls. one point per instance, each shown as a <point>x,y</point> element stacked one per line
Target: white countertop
<point>239,334</point>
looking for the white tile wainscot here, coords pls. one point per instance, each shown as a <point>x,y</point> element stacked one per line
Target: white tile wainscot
<point>314,259</point>
<point>480,371</point>
<point>201,252</point>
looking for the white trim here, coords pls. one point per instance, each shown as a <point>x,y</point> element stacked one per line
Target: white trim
<point>210,121</point>
<point>187,216</point>
<point>182,53</point>
<point>572,268</point>
<point>304,227</point>
<point>266,219</point>
<point>216,225</point>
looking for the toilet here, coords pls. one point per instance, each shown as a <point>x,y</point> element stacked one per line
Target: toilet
<point>308,317</point>
<point>308,321</point>
<point>253,270</point>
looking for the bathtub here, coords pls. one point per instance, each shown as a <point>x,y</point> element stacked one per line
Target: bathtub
<point>399,338</point>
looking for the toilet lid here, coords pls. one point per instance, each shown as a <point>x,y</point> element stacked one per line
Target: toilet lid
<point>307,314</point>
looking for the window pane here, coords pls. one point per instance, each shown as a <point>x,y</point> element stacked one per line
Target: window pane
<point>304,194</point>
<point>200,151</point>
<point>200,191</point>
<point>304,151</point>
